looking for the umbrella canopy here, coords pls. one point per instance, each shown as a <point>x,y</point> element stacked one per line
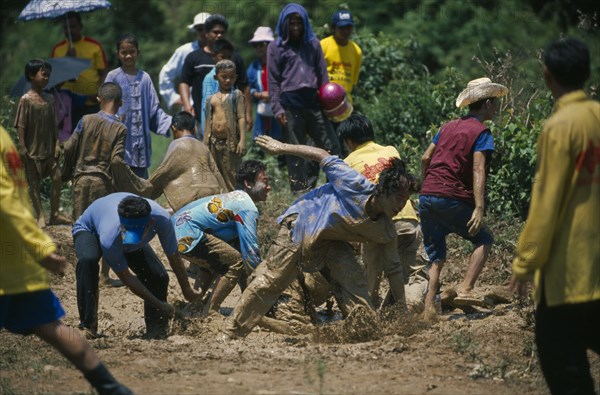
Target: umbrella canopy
<point>63,69</point>
<point>45,9</point>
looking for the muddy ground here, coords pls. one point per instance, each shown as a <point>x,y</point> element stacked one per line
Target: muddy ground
<point>486,352</point>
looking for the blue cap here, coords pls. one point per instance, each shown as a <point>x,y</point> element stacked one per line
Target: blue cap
<point>342,18</point>
<point>132,229</point>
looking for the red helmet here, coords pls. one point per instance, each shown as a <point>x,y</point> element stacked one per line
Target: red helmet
<point>334,101</point>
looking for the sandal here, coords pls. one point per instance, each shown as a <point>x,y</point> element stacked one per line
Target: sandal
<point>473,299</point>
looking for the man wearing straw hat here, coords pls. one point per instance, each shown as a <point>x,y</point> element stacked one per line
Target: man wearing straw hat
<point>452,196</point>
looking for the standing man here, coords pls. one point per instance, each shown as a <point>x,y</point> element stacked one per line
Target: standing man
<point>88,82</point>
<point>559,246</point>
<point>170,74</point>
<point>342,55</point>
<point>119,227</point>
<point>315,232</point>
<point>452,196</point>
<point>296,71</point>
<point>200,62</point>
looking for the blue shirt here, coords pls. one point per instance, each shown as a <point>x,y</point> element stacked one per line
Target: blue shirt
<point>337,211</point>
<point>227,216</point>
<point>101,218</point>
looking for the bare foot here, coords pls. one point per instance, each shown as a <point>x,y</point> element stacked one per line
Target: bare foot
<point>430,315</point>
<point>41,222</point>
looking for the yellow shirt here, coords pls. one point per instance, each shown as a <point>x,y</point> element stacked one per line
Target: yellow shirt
<point>88,81</point>
<point>22,243</point>
<point>343,63</point>
<point>370,159</point>
<point>560,243</point>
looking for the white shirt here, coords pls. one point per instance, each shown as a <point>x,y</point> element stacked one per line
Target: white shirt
<point>171,71</point>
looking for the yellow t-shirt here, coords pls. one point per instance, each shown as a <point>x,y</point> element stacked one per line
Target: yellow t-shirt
<point>343,63</point>
<point>22,243</point>
<point>88,81</point>
<point>559,244</point>
<point>370,159</point>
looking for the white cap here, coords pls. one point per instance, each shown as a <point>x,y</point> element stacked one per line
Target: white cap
<point>199,19</point>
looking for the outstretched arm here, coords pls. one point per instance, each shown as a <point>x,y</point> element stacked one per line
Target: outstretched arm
<point>274,147</point>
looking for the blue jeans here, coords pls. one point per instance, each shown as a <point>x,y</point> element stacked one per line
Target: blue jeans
<point>441,216</point>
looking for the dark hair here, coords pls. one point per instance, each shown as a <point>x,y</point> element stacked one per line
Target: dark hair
<point>34,65</point>
<point>395,178</point>
<point>213,20</point>
<point>568,59</point>
<point>73,14</point>
<point>110,91</point>
<point>356,128</point>
<point>134,207</point>
<point>248,171</point>
<point>478,105</point>
<point>183,121</point>
<point>221,45</point>
<point>128,38</point>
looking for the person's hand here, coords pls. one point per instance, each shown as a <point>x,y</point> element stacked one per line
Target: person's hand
<point>265,96</point>
<point>191,296</point>
<point>178,102</point>
<point>282,119</point>
<point>270,145</point>
<point>22,151</point>
<point>476,221</point>
<point>518,287</point>
<point>167,309</point>
<point>241,149</point>
<point>189,109</point>
<point>55,263</point>
<point>249,122</point>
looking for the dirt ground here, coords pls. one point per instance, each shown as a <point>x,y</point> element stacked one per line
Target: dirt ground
<point>485,352</point>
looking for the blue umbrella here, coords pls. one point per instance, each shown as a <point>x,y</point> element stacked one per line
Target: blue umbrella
<point>48,9</point>
<point>63,69</point>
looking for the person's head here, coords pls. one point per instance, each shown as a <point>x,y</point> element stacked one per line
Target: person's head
<point>293,24</point>
<point>215,27</point>
<point>342,25</point>
<point>481,95</point>
<point>128,50</point>
<point>394,187</point>
<point>37,71</point>
<point>566,64</point>
<point>183,123</point>
<point>225,74</point>
<point>356,130</point>
<point>134,215</point>
<point>296,27</point>
<point>252,178</point>
<point>72,23</point>
<point>110,92</point>
<point>261,39</point>
<point>197,26</point>
<point>222,49</point>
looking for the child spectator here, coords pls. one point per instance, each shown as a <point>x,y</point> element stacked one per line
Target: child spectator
<point>65,104</point>
<point>265,122</point>
<point>226,123</point>
<point>94,157</point>
<point>222,49</point>
<point>140,111</point>
<point>27,305</point>
<point>38,140</point>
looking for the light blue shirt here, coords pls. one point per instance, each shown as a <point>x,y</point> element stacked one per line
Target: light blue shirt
<point>101,218</point>
<point>171,72</point>
<point>227,216</point>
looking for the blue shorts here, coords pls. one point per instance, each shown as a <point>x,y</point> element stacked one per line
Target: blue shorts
<point>21,313</point>
<point>442,216</point>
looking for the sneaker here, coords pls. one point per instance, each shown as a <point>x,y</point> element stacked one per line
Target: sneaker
<point>90,334</point>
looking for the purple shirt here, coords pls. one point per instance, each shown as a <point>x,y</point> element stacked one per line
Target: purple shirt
<point>292,67</point>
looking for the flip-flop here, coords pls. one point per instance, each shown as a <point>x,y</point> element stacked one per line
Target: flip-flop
<point>473,299</point>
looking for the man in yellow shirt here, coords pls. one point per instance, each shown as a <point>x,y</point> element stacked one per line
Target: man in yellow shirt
<point>27,305</point>
<point>559,246</point>
<point>370,159</point>
<point>83,47</point>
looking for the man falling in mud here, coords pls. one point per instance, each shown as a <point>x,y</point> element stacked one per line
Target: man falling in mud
<point>207,228</point>
<point>315,231</point>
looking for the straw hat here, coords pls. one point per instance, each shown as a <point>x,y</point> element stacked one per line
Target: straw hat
<point>262,34</point>
<point>481,88</point>
<point>199,19</point>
